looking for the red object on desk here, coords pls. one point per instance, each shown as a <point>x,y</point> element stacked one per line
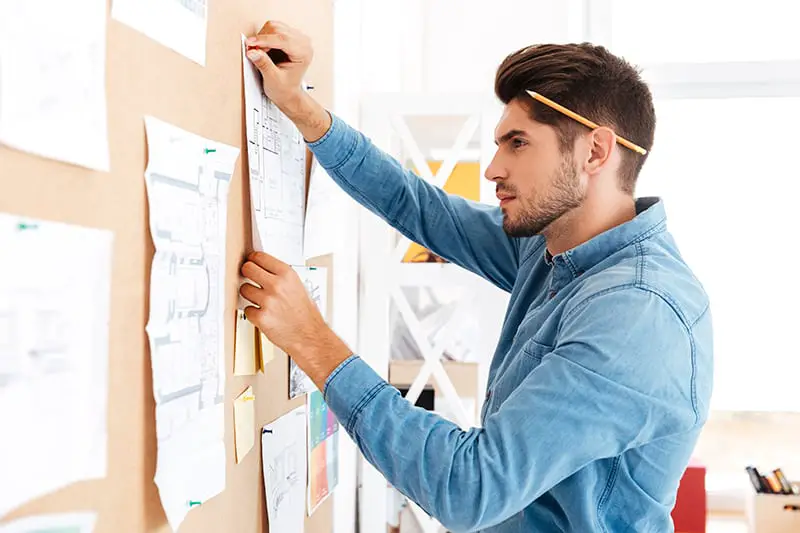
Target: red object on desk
<point>689,513</point>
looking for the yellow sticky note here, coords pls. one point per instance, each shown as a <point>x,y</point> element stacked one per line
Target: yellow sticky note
<point>266,349</point>
<point>244,423</point>
<point>244,350</point>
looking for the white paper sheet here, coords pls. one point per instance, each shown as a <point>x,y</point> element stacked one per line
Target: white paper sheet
<point>316,281</point>
<point>277,169</point>
<point>52,79</point>
<point>323,451</point>
<point>52,523</point>
<point>323,220</point>
<point>283,450</point>
<point>55,283</point>
<point>177,24</point>
<point>187,188</point>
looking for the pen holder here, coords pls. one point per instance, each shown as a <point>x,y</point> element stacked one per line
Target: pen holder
<point>773,513</point>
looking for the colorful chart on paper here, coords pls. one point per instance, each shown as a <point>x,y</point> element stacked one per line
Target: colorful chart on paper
<point>323,451</point>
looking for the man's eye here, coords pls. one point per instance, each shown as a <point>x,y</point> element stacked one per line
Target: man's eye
<point>517,143</point>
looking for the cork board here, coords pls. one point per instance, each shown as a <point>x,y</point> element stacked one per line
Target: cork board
<point>145,78</point>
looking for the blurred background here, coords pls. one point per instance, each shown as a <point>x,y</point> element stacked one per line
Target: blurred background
<point>417,76</point>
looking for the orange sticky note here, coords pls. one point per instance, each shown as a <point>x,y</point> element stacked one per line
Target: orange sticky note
<point>244,349</point>
<point>244,423</point>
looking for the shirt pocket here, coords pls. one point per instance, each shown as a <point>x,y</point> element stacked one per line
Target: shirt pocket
<point>523,363</point>
<point>536,350</point>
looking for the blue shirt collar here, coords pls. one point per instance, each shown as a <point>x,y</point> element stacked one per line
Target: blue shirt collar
<point>650,218</point>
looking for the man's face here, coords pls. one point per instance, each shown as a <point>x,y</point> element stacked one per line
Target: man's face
<point>536,183</point>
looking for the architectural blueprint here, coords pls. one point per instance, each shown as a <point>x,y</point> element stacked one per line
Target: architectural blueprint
<point>53,356</point>
<point>276,156</point>
<point>63,119</point>
<point>283,450</point>
<point>187,188</point>
<point>177,24</point>
<point>315,280</point>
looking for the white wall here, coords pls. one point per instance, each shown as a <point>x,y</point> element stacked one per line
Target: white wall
<point>449,47</point>
<point>466,40</point>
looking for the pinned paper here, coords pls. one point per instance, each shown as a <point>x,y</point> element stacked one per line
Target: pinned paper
<point>266,350</point>
<point>244,421</point>
<point>245,362</point>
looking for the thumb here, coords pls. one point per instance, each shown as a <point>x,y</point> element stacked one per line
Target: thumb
<point>261,60</point>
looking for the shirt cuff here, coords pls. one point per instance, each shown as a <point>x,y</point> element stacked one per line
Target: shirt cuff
<point>333,149</point>
<point>350,388</point>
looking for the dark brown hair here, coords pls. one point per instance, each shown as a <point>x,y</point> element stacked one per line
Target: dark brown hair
<point>592,82</point>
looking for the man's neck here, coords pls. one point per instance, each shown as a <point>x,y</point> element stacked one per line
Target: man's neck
<point>594,217</point>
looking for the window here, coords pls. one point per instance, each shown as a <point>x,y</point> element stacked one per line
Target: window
<point>723,162</point>
<point>726,78</point>
<point>726,172</point>
<point>705,31</point>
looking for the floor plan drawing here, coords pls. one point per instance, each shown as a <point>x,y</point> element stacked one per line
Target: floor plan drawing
<point>53,356</point>
<point>283,450</point>
<point>277,164</point>
<point>187,186</point>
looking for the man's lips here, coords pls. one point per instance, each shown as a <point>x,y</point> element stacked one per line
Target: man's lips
<point>504,199</point>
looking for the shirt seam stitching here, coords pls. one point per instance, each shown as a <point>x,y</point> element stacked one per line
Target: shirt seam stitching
<point>606,495</point>
<point>640,257</point>
<point>362,403</point>
<point>690,335</point>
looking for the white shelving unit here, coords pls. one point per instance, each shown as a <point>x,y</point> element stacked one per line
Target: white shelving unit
<point>384,275</point>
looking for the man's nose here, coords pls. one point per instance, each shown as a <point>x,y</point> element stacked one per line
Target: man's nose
<point>495,170</point>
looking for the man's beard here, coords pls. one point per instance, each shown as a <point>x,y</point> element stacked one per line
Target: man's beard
<point>537,212</point>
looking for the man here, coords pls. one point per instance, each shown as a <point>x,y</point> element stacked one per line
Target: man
<point>601,381</point>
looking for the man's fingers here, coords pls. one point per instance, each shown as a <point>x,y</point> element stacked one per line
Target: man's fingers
<point>261,60</point>
<point>255,273</point>
<point>266,42</point>
<point>269,263</point>
<point>253,314</point>
<point>251,293</point>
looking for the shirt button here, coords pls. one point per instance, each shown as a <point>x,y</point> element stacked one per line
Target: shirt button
<point>552,294</point>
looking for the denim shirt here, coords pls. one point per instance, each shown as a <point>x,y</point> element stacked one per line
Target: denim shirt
<point>597,391</point>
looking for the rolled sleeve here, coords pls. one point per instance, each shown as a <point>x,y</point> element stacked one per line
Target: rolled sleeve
<point>350,388</point>
<point>334,148</point>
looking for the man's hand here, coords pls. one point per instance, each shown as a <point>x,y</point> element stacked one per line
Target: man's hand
<point>288,317</point>
<point>283,82</point>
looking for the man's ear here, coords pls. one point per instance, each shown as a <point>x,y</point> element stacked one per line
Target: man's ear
<point>601,145</point>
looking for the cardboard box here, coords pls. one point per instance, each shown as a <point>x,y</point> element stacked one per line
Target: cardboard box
<point>773,513</point>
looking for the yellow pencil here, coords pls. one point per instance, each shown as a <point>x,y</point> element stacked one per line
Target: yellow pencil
<point>583,120</point>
